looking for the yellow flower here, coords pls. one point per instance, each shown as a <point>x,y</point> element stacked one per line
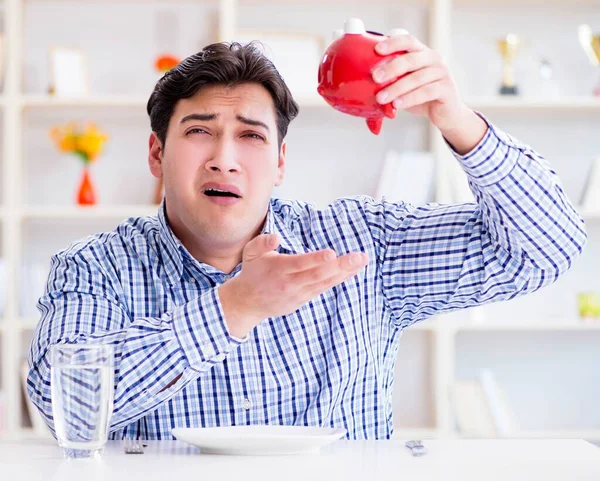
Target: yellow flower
<point>90,142</point>
<point>86,144</point>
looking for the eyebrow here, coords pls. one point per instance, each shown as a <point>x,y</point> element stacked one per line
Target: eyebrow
<point>209,117</point>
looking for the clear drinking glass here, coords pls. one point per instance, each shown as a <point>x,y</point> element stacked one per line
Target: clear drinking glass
<point>82,386</point>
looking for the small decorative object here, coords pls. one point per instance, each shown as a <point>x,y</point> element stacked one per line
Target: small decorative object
<point>548,88</point>
<point>591,46</point>
<point>295,55</point>
<point>87,145</point>
<point>165,62</point>
<point>508,47</point>
<point>68,72</point>
<point>589,305</point>
<point>345,74</point>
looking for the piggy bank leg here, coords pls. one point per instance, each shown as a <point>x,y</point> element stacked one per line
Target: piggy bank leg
<point>374,124</point>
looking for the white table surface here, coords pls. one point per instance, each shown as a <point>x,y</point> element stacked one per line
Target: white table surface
<point>448,460</point>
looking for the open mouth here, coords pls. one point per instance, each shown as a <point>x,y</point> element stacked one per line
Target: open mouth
<point>220,193</point>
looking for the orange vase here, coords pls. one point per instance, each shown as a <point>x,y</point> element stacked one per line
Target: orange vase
<point>87,192</point>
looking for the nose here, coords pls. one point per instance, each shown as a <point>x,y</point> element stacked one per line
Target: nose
<point>223,159</point>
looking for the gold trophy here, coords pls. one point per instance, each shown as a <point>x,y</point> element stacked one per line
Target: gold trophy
<point>508,47</point>
<point>591,46</point>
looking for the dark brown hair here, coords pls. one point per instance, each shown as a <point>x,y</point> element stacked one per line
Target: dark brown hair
<point>227,64</point>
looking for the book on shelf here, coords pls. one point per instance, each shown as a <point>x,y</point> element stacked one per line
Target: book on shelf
<point>503,417</point>
<point>591,192</point>
<point>406,177</point>
<point>481,408</point>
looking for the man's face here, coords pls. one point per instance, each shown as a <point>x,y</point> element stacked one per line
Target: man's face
<point>222,139</point>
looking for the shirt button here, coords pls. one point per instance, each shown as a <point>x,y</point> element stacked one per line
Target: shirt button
<point>220,357</point>
<point>207,349</point>
<point>247,404</point>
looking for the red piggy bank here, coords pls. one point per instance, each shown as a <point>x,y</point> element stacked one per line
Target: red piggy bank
<point>345,74</point>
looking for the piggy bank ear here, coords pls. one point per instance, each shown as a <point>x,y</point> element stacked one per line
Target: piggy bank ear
<point>396,31</point>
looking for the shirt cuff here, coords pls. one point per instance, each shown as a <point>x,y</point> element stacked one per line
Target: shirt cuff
<point>492,159</point>
<point>202,332</point>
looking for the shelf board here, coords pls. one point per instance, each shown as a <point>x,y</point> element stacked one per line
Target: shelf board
<point>47,101</point>
<point>132,101</point>
<point>531,103</point>
<point>590,103</point>
<point>92,212</point>
<point>574,325</point>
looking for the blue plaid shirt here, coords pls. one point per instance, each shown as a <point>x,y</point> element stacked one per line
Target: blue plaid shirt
<point>331,362</point>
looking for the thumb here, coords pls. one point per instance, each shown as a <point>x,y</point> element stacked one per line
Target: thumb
<point>259,246</point>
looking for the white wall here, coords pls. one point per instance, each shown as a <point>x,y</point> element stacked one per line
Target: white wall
<point>332,155</point>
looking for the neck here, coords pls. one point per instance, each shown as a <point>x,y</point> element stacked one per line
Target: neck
<point>224,257</point>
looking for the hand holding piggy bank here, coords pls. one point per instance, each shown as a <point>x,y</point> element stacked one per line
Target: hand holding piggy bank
<point>370,75</point>
<point>346,74</point>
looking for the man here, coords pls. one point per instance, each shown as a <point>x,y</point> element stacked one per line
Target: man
<point>233,308</point>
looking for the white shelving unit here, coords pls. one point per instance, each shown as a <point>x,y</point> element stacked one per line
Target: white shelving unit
<point>15,212</point>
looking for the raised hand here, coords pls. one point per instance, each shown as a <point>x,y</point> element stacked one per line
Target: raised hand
<point>272,284</point>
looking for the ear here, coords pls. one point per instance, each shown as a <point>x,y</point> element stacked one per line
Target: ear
<point>281,165</point>
<point>155,155</point>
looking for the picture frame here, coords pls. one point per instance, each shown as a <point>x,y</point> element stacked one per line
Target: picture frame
<point>295,55</point>
<point>69,75</point>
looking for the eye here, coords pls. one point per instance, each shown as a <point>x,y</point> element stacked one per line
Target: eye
<point>255,136</point>
<point>195,130</point>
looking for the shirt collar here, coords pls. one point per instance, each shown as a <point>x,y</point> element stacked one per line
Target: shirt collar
<point>275,224</point>
<point>176,253</point>
<point>172,257</point>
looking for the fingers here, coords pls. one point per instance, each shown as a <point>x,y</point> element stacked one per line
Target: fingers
<point>403,64</point>
<point>399,43</point>
<point>330,281</point>
<point>301,262</point>
<point>421,95</point>
<point>259,246</point>
<point>349,264</point>
<point>409,83</point>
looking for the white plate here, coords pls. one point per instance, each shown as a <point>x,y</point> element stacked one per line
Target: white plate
<point>259,440</point>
